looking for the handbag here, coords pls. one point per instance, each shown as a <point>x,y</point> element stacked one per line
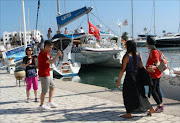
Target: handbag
<point>31,73</point>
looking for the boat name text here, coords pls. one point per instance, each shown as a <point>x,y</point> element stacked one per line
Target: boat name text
<point>68,15</point>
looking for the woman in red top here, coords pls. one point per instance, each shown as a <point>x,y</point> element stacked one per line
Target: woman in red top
<point>152,67</point>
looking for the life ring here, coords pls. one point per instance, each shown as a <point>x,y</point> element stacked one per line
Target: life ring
<point>65,70</point>
<point>66,64</point>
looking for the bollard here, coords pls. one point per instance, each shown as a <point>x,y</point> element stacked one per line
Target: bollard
<point>11,68</point>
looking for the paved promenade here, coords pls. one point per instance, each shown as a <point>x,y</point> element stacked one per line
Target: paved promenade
<point>77,103</point>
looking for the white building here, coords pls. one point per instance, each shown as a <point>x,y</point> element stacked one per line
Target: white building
<point>18,36</point>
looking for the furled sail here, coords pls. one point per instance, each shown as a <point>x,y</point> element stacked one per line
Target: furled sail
<point>63,20</point>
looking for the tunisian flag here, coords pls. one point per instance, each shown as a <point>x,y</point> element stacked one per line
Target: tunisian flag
<point>93,30</point>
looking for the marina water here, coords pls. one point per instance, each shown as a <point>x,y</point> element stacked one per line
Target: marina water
<point>106,76</point>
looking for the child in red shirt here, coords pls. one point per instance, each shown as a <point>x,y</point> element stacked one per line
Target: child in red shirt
<point>44,61</point>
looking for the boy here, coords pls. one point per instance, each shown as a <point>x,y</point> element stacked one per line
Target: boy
<point>44,61</point>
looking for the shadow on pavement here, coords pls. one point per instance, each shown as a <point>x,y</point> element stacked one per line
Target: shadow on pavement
<point>85,114</point>
<point>83,93</point>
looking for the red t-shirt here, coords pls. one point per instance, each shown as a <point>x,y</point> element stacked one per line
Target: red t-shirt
<point>44,68</point>
<point>151,60</point>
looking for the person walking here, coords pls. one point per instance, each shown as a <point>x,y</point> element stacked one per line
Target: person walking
<point>44,61</point>
<point>81,30</point>
<point>30,63</point>
<point>41,44</point>
<point>49,36</point>
<point>152,67</point>
<point>133,99</point>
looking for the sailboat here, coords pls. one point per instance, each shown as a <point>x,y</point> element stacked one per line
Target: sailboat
<point>14,56</point>
<point>170,80</point>
<point>86,50</point>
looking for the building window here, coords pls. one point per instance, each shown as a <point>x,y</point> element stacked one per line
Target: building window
<point>5,35</point>
<point>9,35</point>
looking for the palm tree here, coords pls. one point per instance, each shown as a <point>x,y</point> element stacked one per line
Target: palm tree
<point>164,31</point>
<point>145,29</point>
<point>124,36</point>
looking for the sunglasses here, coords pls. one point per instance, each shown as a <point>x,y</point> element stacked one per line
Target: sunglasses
<point>30,50</point>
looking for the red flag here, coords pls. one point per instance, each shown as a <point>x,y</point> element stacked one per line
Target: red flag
<point>125,23</point>
<point>93,30</point>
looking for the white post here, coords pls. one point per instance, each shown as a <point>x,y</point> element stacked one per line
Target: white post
<point>24,24</point>
<point>120,34</point>
<point>28,27</point>
<point>20,36</point>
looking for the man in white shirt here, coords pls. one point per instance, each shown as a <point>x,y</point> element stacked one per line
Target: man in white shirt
<point>81,30</point>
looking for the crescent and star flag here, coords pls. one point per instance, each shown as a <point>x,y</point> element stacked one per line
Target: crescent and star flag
<point>93,30</point>
<point>125,23</point>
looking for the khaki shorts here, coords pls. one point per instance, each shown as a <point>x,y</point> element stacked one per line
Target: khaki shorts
<point>46,83</point>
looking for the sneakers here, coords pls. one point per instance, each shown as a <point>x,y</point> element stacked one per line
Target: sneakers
<point>159,109</point>
<point>28,100</point>
<point>36,100</point>
<point>52,104</point>
<point>44,107</point>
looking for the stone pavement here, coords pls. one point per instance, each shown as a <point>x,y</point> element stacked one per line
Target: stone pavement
<point>73,105</point>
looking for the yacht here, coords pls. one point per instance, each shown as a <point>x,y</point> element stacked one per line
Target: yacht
<point>171,40</point>
<point>142,38</point>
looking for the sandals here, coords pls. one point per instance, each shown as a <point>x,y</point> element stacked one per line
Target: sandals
<point>150,112</point>
<point>126,116</point>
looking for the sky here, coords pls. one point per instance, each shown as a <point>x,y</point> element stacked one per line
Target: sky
<point>167,15</point>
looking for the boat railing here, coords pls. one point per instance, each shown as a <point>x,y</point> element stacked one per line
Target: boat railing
<point>174,67</point>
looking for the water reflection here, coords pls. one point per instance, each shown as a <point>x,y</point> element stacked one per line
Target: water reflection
<point>107,77</point>
<point>99,76</point>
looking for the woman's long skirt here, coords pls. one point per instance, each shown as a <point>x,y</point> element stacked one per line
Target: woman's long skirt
<point>134,95</point>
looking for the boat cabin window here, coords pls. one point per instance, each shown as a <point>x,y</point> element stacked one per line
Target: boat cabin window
<point>57,44</point>
<point>65,43</point>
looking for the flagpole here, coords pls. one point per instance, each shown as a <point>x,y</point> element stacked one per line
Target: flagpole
<point>24,24</point>
<point>132,20</point>
<point>154,18</point>
<point>58,13</point>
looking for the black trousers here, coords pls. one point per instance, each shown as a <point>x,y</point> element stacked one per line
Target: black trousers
<point>156,93</point>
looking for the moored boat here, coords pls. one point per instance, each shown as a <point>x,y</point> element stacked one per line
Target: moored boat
<point>171,40</point>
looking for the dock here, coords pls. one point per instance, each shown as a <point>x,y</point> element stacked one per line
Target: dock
<point>77,103</point>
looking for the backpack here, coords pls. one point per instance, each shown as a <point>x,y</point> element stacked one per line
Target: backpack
<point>163,62</point>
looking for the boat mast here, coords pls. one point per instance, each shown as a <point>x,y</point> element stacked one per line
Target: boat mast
<point>24,25</point>
<point>28,28</point>
<point>132,19</point>
<point>154,18</point>
<point>179,17</point>
<point>58,13</point>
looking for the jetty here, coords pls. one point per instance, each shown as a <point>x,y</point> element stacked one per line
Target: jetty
<point>77,103</point>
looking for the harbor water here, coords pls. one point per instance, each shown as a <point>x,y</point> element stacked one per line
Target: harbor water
<point>106,76</point>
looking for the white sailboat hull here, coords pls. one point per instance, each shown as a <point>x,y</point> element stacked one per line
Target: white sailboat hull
<point>95,56</point>
<point>170,84</point>
<point>74,70</point>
